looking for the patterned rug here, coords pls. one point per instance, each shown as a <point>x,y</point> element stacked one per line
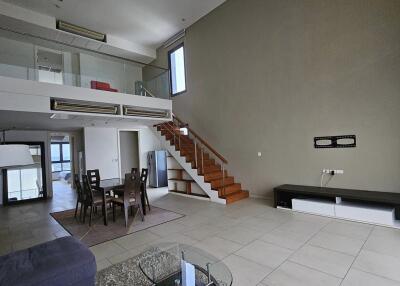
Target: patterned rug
<point>130,272</point>
<point>99,233</point>
<point>125,273</point>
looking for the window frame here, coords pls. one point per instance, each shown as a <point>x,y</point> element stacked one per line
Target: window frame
<point>61,161</point>
<point>182,45</point>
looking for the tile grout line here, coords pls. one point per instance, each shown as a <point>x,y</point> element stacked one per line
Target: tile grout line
<point>295,251</point>
<point>377,275</point>
<point>358,253</point>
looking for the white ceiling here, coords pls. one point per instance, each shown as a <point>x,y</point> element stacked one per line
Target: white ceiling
<point>145,22</point>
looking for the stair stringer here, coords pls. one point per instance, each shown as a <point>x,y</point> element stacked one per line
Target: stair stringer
<point>206,187</point>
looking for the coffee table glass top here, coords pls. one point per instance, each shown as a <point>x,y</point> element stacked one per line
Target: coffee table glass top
<point>161,264</point>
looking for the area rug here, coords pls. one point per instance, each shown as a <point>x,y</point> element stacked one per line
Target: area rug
<point>129,272</point>
<point>99,233</point>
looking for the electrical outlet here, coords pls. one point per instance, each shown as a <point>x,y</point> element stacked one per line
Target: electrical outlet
<point>259,154</point>
<point>332,171</point>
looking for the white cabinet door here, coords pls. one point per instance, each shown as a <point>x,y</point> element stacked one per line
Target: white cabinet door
<point>101,151</point>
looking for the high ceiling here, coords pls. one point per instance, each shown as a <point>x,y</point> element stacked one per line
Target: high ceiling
<point>145,22</point>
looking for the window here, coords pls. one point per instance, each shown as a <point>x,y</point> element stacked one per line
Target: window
<point>177,68</point>
<point>50,66</point>
<point>60,157</point>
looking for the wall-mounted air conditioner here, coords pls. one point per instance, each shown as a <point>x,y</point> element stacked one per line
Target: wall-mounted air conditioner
<point>83,106</point>
<point>145,112</point>
<point>74,29</point>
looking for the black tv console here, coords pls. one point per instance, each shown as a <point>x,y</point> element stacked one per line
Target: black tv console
<point>284,194</point>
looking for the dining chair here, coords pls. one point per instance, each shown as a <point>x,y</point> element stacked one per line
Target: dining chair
<point>93,177</point>
<point>80,196</point>
<point>93,199</point>
<point>129,198</point>
<point>134,172</point>
<point>143,185</point>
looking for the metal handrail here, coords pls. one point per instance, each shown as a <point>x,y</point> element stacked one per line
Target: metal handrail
<point>205,143</point>
<point>199,143</point>
<point>146,91</point>
<point>197,139</point>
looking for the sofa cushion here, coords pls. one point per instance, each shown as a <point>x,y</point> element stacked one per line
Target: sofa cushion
<point>64,261</point>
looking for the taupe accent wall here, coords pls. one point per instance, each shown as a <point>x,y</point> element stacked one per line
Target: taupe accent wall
<point>269,75</point>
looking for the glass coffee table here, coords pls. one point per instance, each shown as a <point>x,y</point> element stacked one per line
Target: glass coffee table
<point>161,264</point>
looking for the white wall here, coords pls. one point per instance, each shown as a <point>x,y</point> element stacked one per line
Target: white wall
<point>17,59</point>
<point>33,136</point>
<point>147,142</point>
<point>101,151</point>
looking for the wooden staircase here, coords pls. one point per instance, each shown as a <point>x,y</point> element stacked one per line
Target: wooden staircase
<point>203,158</point>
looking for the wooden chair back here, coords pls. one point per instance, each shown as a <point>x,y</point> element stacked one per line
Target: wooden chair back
<point>78,187</point>
<point>87,189</point>
<point>143,176</point>
<point>131,188</point>
<point>93,177</point>
<point>134,172</point>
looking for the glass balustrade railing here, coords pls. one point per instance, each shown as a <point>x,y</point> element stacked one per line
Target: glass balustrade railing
<point>123,80</point>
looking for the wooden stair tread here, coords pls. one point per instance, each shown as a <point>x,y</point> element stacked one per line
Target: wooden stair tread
<point>229,189</point>
<point>214,176</point>
<point>231,198</point>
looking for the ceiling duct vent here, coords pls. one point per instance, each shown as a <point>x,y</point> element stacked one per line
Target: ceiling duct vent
<point>174,38</point>
<point>84,107</point>
<point>74,29</point>
<point>145,112</point>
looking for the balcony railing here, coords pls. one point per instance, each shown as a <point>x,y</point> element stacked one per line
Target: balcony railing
<point>24,60</point>
<point>155,87</point>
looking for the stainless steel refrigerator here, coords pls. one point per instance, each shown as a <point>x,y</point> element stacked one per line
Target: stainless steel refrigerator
<point>157,164</point>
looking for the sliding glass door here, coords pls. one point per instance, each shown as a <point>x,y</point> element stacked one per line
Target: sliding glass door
<point>25,183</point>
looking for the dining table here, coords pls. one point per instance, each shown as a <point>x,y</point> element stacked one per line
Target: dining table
<point>107,185</point>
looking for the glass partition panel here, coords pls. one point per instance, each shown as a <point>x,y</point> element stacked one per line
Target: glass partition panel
<point>73,67</point>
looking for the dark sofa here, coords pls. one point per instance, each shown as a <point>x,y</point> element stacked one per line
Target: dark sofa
<point>64,261</point>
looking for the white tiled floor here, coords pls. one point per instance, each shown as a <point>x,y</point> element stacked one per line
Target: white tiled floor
<point>261,245</point>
